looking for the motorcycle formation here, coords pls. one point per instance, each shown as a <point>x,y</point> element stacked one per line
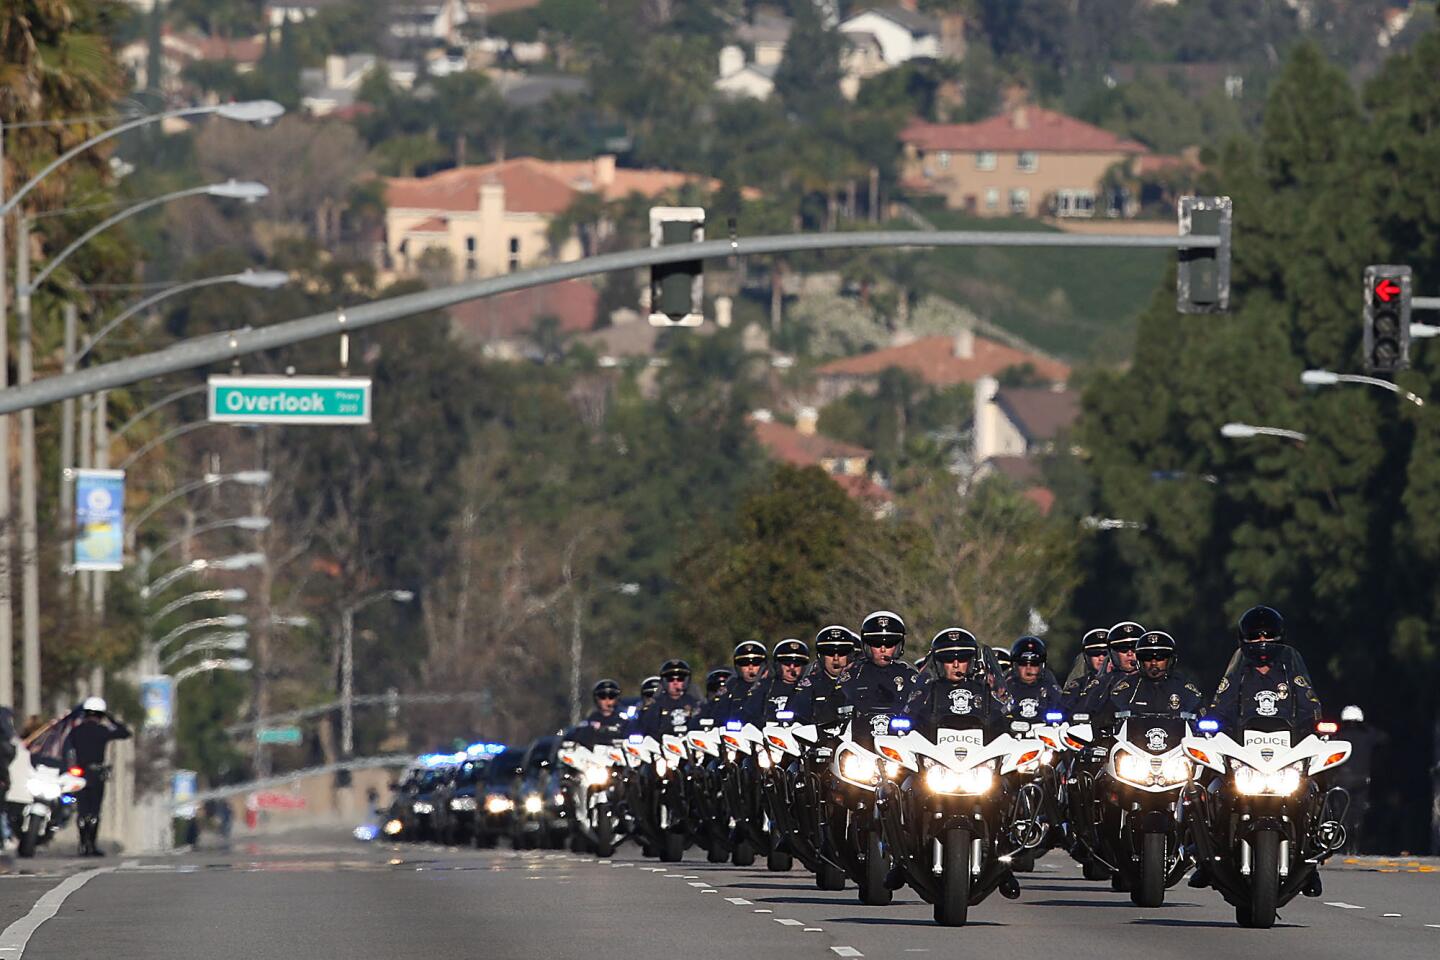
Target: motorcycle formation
<point>950,775</point>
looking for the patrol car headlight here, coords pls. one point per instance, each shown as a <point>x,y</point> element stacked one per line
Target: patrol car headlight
<point>597,776</point>
<point>1255,783</point>
<point>462,803</point>
<point>533,803</point>
<point>976,780</point>
<point>392,827</point>
<point>420,806</point>
<point>495,803</point>
<point>858,769</point>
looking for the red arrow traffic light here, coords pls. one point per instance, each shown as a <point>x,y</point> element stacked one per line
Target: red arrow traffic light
<point>1387,290</point>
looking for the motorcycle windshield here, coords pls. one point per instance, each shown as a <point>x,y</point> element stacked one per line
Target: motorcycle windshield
<point>1155,735</point>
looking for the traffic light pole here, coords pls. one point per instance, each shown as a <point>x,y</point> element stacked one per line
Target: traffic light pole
<point>230,346</point>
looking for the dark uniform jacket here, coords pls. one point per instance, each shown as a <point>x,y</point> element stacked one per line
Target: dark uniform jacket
<point>1031,701</point>
<point>1096,691</point>
<point>726,704</point>
<point>875,694</point>
<point>971,700</point>
<point>1078,679</point>
<point>767,695</point>
<point>599,729</point>
<point>818,698</point>
<point>85,747</point>
<point>1285,692</point>
<point>1171,696</point>
<point>665,715</point>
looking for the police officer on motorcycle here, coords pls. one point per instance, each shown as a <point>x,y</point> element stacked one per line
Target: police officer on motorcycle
<point>749,658</point>
<point>1267,679</point>
<point>1032,687</point>
<point>818,696</point>
<point>1093,648</point>
<point>1122,661</point>
<point>880,684</point>
<point>715,682</point>
<point>605,724</point>
<point>1154,690</point>
<point>1002,657</point>
<point>85,748</point>
<point>674,705</point>
<point>774,692</point>
<point>962,689</point>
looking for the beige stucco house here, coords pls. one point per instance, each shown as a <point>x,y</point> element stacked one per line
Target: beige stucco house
<point>1028,161</point>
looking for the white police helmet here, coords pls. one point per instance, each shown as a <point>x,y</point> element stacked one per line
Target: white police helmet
<point>94,705</point>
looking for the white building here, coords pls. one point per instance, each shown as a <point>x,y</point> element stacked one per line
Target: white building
<point>901,34</point>
<point>740,79</point>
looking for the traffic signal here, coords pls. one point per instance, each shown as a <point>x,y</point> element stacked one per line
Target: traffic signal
<point>1202,283</point>
<point>677,290</point>
<point>1387,318</point>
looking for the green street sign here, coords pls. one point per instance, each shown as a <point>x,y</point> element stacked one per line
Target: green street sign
<point>295,400</point>
<point>286,735</point>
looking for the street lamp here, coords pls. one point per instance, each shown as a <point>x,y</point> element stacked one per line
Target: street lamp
<point>229,620</point>
<point>249,478</point>
<point>255,524</point>
<point>1110,523</point>
<point>240,561</point>
<point>1328,378</point>
<point>233,642</point>
<point>1242,431</point>
<point>347,662</point>
<point>238,664</point>
<point>232,595</point>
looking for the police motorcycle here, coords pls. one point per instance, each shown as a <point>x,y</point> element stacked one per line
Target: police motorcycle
<point>745,759</point>
<point>1264,825</point>
<point>42,800</point>
<point>1082,760</point>
<point>951,818</point>
<point>708,811</point>
<point>637,788</point>
<point>852,823</point>
<point>592,782</point>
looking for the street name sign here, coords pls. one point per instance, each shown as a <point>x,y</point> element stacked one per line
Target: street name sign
<point>290,735</point>
<point>294,400</point>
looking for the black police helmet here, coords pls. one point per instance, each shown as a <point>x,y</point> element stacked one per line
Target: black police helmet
<point>883,628</point>
<point>1124,632</point>
<point>749,653</point>
<point>836,640</point>
<point>953,643</point>
<point>1002,657</point>
<point>791,651</point>
<point>1028,650</point>
<point>606,688</point>
<point>675,669</point>
<point>1261,630</point>
<point>648,686</point>
<point>715,680</point>
<point>1095,641</point>
<point>1156,645</point>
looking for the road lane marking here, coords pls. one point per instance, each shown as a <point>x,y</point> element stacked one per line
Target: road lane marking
<point>847,952</point>
<point>1435,925</point>
<point>787,921</point>
<point>812,930</point>
<point>738,901</point>
<point>1389,914</point>
<point>709,890</point>
<point>763,910</point>
<point>18,934</point>
<point>697,883</point>
<point>1343,905</point>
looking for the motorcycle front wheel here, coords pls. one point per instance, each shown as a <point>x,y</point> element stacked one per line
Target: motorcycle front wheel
<point>672,847</point>
<point>604,833</point>
<point>952,902</point>
<point>1264,881</point>
<point>1150,892</point>
<point>873,892</point>
<point>30,839</point>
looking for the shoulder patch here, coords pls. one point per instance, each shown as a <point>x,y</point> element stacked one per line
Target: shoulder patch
<point>1121,685</point>
<point>1224,685</point>
<point>1300,681</point>
<point>1193,689</point>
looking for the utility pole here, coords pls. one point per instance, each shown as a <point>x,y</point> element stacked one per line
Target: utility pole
<point>262,621</point>
<point>67,456</point>
<point>29,562</point>
<point>7,640</point>
<point>102,461</point>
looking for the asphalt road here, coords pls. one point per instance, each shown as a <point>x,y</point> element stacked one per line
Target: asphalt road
<point>318,897</point>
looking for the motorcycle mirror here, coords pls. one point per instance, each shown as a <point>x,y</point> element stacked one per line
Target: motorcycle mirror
<point>1019,726</point>
<point>1081,718</point>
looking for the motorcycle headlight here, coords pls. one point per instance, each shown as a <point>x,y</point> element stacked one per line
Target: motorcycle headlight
<point>1145,771</point>
<point>1177,769</point>
<point>462,803</point>
<point>420,806</point>
<point>858,769</point>
<point>495,803</point>
<point>661,767</point>
<point>976,780</point>
<point>762,757</point>
<point>1133,768</point>
<point>533,803</point>
<point>597,776</point>
<point>1253,783</point>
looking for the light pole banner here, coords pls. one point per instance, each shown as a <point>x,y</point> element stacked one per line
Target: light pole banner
<point>157,700</point>
<point>99,519</point>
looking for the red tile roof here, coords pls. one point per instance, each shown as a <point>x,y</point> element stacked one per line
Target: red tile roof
<point>933,360</point>
<point>514,314</point>
<point>1024,128</point>
<point>1039,413</point>
<point>864,489</point>
<point>432,225</point>
<point>784,442</point>
<point>1042,497</point>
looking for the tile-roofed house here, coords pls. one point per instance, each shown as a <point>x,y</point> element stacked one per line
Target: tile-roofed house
<point>497,215</point>
<point>1015,426</point>
<point>803,446</point>
<point>902,34</point>
<point>941,361</point>
<point>1028,161</point>
<point>180,49</point>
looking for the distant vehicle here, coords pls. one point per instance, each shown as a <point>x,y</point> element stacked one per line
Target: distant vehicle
<point>458,815</point>
<point>41,800</point>
<point>496,817</point>
<point>539,803</point>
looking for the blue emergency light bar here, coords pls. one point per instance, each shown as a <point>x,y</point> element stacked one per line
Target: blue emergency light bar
<point>784,714</point>
<point>1054,716</point>
<point>733,724</point>
<point>1208,726</point>
<point>900,723</point>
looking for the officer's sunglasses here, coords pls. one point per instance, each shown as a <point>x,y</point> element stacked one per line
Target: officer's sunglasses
<point>1029,660</point>
<point>607,696</point>
<point>1123,646</point>
<point>672,677</point>
<point>952,656</point>
<point>1150,656</point>
<point>883,643</point>
<point>835,652</point>
<point>749,661</point>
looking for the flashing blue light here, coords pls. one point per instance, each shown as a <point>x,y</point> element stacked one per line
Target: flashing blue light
<point>784,714</point>
<point>1209,726</point>
<point>366,832</point>
<point>629,712</point>
<point>484,749</point>
<point>67,799</point>
<point>636,738</point>
<point>1054,716</point>
<point>900,723</point>
<point>733,724</point>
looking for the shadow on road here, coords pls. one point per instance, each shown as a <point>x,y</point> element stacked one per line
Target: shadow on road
<point>1095,903</point>
<point>907,922</point>
<point>1214,924</point>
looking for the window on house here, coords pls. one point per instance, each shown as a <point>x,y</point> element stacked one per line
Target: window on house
<point>944,157</point>
<point>514,254</point>
<point>985,160</point>
<point>469,244</point>
<point>472,266</point>
<point>1019,200</point>
<point>992,199</point>
<point>1028,161</point>
<point>1075,203</point>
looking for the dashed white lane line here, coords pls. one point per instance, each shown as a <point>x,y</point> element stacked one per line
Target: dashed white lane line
<point>709,890</point>
<point>787,921</point>
<point>738,901</point>
<point>846,952</point>
<point>812,930</point>
<point>697,883</point>
<point>1434,925</point>
<point>1389,914</point>
<point>1343,905</point>
<point>18,934</point>
<point>763,910</point>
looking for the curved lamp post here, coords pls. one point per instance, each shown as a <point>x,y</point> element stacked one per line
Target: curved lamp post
<point>1328,378</point>
<point>240,561</point>
<point>231,595</point>
<point>255,524</point>
<point>347,661</point>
